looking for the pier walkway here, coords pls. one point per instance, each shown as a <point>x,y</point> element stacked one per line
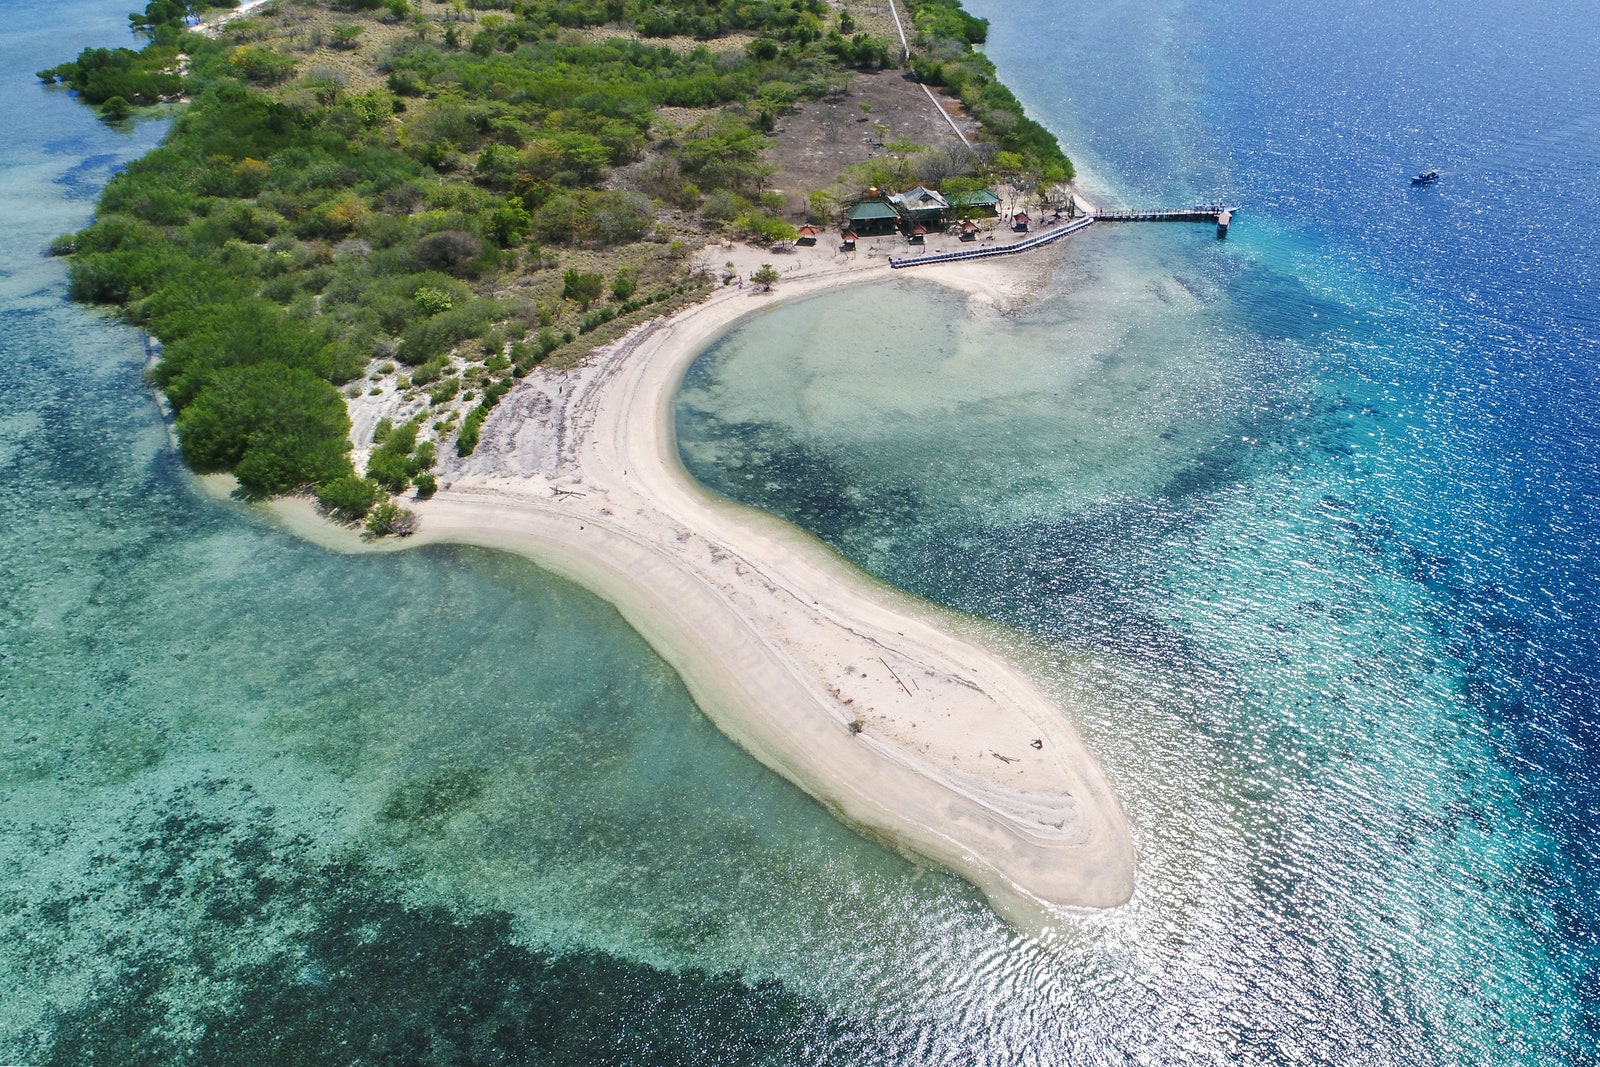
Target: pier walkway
<point>993,250</point>
<point>1216,213</point>
<point>1220,214</point>
<point>1157,216</point>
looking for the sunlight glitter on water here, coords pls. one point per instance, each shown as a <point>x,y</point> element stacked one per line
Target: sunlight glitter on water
<point>1196,532</point>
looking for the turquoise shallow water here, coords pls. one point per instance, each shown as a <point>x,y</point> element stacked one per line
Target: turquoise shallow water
<point>1300,521</point>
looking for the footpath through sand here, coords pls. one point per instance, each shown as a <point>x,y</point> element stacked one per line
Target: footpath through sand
<point>870,701</point>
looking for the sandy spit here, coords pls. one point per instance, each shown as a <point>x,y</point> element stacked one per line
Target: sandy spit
<point>889,711</point>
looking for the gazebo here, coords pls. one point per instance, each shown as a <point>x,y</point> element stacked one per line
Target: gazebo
<point>918,233</point>
<point>1019,222</point>
<point>849,239</point>
<point>969,230</point>
<point>808,236</point>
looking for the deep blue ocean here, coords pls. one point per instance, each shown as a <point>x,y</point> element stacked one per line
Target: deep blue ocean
<point>1299,525</point>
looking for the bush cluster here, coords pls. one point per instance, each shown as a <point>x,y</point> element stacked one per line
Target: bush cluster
<point>102,74</point>
<point>467,440</point>
<point>399,457</point>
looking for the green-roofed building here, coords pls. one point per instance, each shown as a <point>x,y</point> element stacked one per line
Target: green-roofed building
<point>980,203</point>
<point>871,217</point>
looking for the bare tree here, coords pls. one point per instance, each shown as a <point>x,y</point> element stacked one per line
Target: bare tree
<point>946,161</point>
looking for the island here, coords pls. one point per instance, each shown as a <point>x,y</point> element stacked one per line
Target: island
<point>376,250</point>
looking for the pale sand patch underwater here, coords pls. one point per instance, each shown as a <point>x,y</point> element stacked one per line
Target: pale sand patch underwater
<point>887,710</point>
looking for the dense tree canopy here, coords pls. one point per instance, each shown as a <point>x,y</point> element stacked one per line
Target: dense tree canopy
<point>276,427</point>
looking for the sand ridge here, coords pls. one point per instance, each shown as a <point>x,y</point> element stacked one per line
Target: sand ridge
<point>885,709</point>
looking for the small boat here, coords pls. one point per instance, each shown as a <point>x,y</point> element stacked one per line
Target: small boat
<point>1427,177</point>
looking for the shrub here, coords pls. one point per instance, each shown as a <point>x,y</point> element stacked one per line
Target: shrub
<point>467,440</point>
<point>427,485</point>
<point>603,217</point>
<point>390,518</point>
<point>431,301</point>
<point>263,66</point>
<point>762,227</point>
<point>508,225</point>
<point>581,287</point>
<point>430,371</point>
<point>389,469</point>
<point>349,497</point>
<point>428,340</point>
<point>451,251</point>
<point>598,319</point>
<point>618,217</point>
<point>721,205</point>
<point>392,464</point>
<point>102,73</point>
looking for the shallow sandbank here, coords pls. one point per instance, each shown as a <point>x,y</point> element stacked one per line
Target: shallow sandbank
<point>781,642</point>
<point>871,701</point>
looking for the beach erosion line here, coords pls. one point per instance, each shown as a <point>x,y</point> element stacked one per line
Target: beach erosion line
<point>891,712</point>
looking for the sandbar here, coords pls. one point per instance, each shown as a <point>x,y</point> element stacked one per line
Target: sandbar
<point>889,711</point>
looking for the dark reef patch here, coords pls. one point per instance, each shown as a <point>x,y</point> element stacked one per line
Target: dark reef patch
<point>425,806</point>
<point>817,489</point>
<point>240,942</point>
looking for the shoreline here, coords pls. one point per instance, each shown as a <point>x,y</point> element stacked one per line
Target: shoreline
<point>883,708</point>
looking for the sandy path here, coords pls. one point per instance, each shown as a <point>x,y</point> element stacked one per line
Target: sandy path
<point>959,759</point>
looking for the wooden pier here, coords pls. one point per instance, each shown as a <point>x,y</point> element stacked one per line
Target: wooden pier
<point>1158,216</point>
<point>1214,213</point>
<point>993,250</point>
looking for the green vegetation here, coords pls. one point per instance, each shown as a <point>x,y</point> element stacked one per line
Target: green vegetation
<point>276,426</point>
<point>102,74</point>
<point>389,518</point>
<point>400,458</point>
<point>945,20</point>
<point>944,57</point>
<point>467,441</point>
<point>349,497</point>
<point>485,193</point>
<point>584,288</point>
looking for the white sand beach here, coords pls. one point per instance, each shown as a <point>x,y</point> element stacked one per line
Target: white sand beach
<point>885,709</point>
